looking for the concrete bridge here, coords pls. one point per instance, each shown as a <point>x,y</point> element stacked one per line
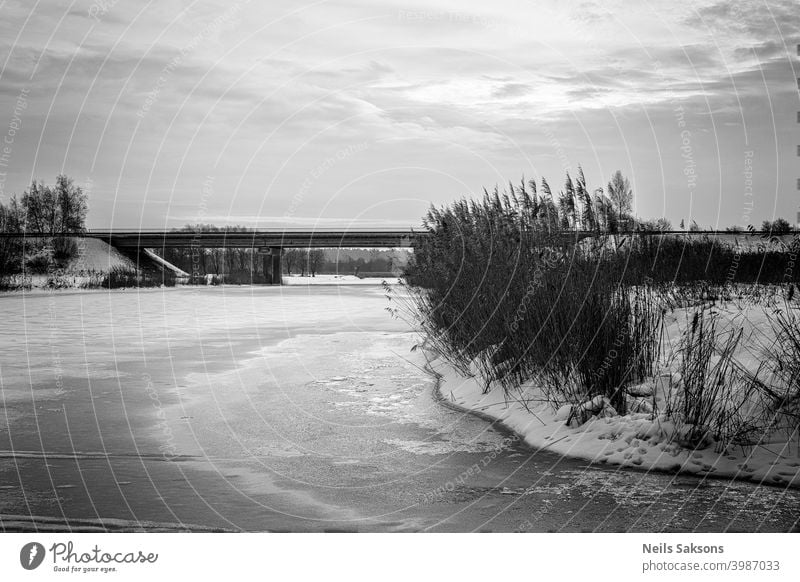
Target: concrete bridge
<point>266,242</point>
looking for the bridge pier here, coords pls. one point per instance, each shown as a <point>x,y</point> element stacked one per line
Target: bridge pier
<point>275,271</point>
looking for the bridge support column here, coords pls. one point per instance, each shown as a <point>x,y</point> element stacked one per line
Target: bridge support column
<point>275,271</point>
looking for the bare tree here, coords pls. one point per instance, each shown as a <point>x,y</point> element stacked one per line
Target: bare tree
<point>292,257</point>
<point>315,260</point>
<point>10,248</point>
<point>60,209</point>
<point>56,211</point>
<point>72,205</point>
<point>621,194</point>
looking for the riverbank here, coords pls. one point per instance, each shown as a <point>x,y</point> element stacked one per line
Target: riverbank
<point>95,265</point>
<point>634,441</point>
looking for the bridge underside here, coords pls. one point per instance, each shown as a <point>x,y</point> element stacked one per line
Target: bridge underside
<point>256,239</point>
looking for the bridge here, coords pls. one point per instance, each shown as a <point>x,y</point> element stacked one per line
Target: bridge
<point>258,239</point>
<point>268,242</point>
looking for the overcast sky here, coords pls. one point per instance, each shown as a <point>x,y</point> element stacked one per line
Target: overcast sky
<point>360,112</point>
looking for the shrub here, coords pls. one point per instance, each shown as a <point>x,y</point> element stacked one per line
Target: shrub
<point>64,249</point>
<point>39,263</point>
<point>497,291</point>
<point>582,335</point>
<point>685,260</point>
<point>119,277</point>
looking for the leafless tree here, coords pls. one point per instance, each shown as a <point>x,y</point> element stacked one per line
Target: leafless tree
<point>315,260</point>
<point>292,258</point>
<point>621,194</point>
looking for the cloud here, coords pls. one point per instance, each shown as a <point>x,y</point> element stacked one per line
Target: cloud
<point>511,90</point>
<point>756,19</point>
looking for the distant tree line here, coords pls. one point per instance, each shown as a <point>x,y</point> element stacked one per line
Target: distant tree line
<point>247,265</point>
<point>344,261</point>
<point>777,227</point>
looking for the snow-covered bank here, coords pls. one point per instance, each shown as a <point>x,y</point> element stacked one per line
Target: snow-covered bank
<point>642,440</point>
<point>92,263</point>
<point>633,440</point>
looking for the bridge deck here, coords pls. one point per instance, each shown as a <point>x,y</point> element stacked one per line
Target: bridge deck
<point>257,238</point>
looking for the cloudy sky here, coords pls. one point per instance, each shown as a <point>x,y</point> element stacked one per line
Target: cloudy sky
<point>360,112</point>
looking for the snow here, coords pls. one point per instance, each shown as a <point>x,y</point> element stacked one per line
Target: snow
<point>336,280</point>
<point>97,255</point>
<point>638,439</point>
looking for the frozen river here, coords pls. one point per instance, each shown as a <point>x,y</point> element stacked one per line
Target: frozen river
<point>292,408</point>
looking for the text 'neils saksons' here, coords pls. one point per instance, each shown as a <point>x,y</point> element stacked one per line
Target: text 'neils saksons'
<point>663,548</point>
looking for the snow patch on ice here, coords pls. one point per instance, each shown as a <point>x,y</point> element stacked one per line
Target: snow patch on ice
<point>436,447</point>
